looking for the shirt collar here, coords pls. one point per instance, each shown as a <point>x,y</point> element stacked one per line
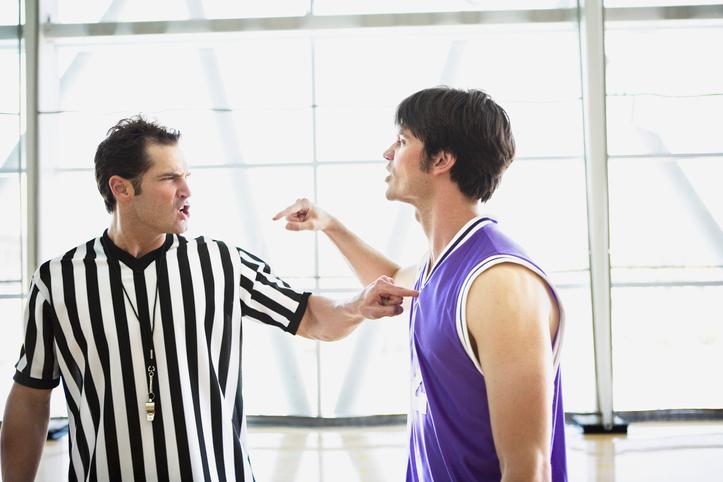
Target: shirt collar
<point>457,240</point>
<point>114,252</point>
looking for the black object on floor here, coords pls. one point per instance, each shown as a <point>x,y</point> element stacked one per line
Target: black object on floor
<point>57,428</point>
<point>592,423</point>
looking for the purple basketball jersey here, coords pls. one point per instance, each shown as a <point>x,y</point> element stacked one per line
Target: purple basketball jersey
<point>449,421</point>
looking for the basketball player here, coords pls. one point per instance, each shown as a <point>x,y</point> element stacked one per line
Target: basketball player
<point>486,330</point>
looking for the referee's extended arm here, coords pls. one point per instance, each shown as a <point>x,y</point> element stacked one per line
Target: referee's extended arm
<point>24,431</point>
<point>328,320</point>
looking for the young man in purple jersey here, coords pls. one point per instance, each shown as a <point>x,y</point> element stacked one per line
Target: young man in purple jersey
<point>486,329</point>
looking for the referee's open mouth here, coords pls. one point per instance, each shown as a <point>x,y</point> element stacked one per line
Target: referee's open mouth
<point>185,211</point>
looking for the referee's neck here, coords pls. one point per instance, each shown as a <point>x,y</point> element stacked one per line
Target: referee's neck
<point>136,242</point>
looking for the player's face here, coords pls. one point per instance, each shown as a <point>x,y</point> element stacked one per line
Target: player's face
<point>162,206</point>
<point>406,180</point>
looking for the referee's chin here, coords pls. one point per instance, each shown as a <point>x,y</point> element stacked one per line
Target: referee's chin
<point>179,228</point>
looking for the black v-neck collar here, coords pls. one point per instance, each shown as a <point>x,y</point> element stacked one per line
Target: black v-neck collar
<point>136,264</point>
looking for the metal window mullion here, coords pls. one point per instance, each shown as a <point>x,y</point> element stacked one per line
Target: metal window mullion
<point>315,167</point>
<point>313,22</point>
<point>30,40</point>
<point>307,22</point>
<point>592,55</point>
<point>8,32</point>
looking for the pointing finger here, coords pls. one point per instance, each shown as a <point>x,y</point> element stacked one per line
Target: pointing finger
<point>289,210</point>
<point>398,291</point>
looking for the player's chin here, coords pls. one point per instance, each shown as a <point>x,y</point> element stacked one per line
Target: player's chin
<point>389,194</point>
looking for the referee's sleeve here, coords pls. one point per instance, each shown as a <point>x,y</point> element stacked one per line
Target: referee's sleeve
<point>265,298</point>
<point>38,366</point>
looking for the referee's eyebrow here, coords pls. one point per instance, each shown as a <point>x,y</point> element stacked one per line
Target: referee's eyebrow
<point>173,174</point>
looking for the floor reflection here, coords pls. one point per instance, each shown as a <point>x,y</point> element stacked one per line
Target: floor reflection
<point>657,452</point>
<point>660,452</point>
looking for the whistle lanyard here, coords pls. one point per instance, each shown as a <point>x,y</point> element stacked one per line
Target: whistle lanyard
<point>151,368</point>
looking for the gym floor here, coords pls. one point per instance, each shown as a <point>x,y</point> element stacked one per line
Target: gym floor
<point>660,452</point>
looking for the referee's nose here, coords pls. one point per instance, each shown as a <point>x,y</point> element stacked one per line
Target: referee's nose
<point>185,190</point>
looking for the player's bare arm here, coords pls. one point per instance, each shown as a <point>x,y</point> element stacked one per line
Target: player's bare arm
<point>368,263</point>
<point>512,320</point>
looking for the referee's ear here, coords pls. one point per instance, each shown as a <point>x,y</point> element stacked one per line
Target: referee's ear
<point>121,188</point>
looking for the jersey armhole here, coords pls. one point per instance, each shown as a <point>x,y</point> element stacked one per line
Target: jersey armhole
<point>461,312</point>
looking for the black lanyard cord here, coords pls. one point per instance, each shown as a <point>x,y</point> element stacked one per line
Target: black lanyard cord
<point>155,300</point>
<point>151,369</point>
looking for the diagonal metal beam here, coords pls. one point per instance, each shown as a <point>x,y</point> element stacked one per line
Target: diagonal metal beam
<point>12,160</point>
<point>688,195</point>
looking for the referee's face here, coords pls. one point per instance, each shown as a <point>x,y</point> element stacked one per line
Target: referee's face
<point>163,206</point>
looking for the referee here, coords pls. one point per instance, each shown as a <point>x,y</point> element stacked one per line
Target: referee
<point>144,327</point>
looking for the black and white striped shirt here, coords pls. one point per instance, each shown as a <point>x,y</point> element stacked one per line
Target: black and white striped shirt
<point>81,327</point>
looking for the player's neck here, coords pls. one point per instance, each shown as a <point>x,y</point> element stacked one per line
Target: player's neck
<point>443,219</point>
<point>132,238</point>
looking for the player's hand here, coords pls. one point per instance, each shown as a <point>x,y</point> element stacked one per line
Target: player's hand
<point>304,215</point>
<point>382,298</point>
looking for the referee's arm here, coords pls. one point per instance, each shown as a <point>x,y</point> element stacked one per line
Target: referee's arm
<point>327,320</point>
<point>24,431</point>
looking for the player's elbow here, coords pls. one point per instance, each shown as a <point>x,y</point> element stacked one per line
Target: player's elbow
<point>531,467</point>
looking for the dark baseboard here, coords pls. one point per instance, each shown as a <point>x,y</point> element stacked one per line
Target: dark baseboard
<point>673,415</point>
<point>295,421</point>
<point>676,415</point>
<point>59,425</point>
<point>623,418</point>
<point>592,423</point>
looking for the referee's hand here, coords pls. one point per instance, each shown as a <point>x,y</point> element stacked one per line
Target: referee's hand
<point>382,298</point>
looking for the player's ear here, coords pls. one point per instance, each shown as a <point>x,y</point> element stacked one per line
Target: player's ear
<point>442,162</point>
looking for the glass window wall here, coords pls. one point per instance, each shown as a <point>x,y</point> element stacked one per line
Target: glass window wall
<point>270,116</point>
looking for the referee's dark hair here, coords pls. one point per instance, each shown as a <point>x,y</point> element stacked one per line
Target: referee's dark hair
<point>123,153</point>
<point>467,124</point>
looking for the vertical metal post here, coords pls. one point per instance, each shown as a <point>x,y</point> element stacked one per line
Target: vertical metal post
<point>30,42</point>
<point>592,55</point>
<point>317,273</point>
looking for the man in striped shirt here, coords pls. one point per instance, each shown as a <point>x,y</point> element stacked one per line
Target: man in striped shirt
<point>144,327</point>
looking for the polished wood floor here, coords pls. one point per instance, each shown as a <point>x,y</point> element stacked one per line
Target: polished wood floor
<point>655,452</point>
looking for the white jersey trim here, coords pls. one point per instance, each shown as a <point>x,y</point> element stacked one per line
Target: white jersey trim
<point>461,312</point>
<point>453,245</point>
